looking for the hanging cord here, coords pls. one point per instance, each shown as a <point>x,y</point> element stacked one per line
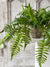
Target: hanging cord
<point>25,2</point>
<point>37,5</point>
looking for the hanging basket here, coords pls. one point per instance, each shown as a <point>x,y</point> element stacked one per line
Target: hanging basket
<point>35,33</point>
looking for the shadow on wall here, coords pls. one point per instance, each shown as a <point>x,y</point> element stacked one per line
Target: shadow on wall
<point>49,0</point>
<point>21,66</point>
<point>22,1</point>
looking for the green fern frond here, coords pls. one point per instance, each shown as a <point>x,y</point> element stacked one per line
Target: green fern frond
<point>42,53</point>
<point>21,36</point>
<point>15,47</point>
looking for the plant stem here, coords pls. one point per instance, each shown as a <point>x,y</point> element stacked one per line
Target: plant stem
<point>40,65</point>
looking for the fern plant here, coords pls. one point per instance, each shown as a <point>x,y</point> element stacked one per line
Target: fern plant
<point>18,31</point>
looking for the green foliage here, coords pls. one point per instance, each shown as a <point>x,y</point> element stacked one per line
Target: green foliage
<point>21,36</point>
<point>42,52</point>
<point>18,31</point>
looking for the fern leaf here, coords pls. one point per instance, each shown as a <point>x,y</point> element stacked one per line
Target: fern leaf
<point>42,53</point>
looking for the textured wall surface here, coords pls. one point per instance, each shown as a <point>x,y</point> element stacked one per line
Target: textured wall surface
<point>3,14</point>
<point>24,58</point>
<point>45,3</point>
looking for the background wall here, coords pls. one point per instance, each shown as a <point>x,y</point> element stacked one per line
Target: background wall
<point>24,58</point>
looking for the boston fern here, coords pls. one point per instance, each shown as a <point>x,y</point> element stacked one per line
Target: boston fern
<point>18,31</point>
